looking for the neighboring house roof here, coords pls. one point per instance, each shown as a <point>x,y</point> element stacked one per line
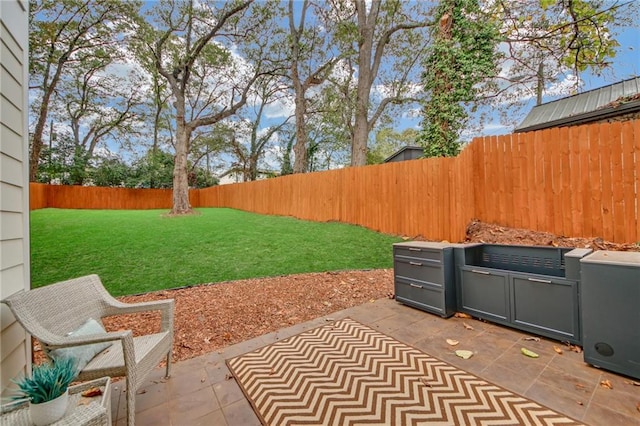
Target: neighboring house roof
<point>405,153</point>
<point>594,105</point>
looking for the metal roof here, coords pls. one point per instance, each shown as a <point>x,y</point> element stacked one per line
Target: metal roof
<point>589,106</point>
<point>409,152</point>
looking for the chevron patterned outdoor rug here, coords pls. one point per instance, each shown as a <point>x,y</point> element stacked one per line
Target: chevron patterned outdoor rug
<point>345,373</point>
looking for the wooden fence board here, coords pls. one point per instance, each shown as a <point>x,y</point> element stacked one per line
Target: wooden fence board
<point>520,182</point>
<point>554,191</point>
<point>564,209</point>
<point>539,206</point>
<point>636,138</point>
<point>478,145</point>
<point>617,183</point>
<point>595,188</point>
<point>606,143</point>
<point>629,190</point>
<point>577,218</point>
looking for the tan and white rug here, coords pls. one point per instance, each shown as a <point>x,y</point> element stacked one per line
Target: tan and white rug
<point>345,373</point>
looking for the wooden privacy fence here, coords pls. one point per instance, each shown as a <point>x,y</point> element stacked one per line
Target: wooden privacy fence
<point>94,197</point>
<point>574,181</point>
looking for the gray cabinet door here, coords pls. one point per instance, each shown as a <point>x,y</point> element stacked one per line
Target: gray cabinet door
<point>485,293</point>
<point>546,305</point>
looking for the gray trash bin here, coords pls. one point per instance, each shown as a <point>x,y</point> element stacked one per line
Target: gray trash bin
<point>610,301</point>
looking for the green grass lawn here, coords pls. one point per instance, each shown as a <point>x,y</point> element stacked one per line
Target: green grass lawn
<point>136,251</point>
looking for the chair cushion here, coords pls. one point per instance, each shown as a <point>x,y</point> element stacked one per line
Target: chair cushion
<point>84,353</point>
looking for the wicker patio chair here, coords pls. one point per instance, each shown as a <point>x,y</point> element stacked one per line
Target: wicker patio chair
<point>50,313</point>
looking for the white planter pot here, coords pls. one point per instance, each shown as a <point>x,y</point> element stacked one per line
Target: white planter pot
<point>50,411</point>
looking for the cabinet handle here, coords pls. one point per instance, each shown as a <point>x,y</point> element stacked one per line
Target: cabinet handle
<point>415,285</point>
<point>536,280</point>
<point>415,263</point>
<point>414,249</point>
<point>481,272</point>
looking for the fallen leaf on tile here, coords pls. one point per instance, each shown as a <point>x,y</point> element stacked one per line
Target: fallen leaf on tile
<point>425,382</point>
<point>452,342</point>
<point>467,326</point>
<point>202,380</point>
<point>573,348</point>
<point>142,391</point>
<point>462,315</point>
<point>272,372</point>
<point>229,376</point>
<point>92,392</point>
<point>328,319</point>
<point>532,339</point>
<point>579,403</point>
<point>632,383</point>
<point>464,354</point>
<point>638,406</point>
<point>529,353</point>
<point>606,384</point>
<point>580,386</point>
<point>558,350</point>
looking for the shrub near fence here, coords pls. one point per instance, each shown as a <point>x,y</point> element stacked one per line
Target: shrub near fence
<point>575,181</point>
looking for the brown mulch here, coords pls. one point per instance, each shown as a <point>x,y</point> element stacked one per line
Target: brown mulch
<point>212,316</point>
<point>494,234</point>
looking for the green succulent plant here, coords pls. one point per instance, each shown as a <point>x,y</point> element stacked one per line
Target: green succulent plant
<point>48,381</point>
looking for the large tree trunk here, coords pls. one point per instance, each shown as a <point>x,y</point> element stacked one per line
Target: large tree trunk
<point>301,160</point>
<point>181,203</point>
<point>361,125</point>
<point>36,141</point>
<point>359,144</point>
<point>366,26</point>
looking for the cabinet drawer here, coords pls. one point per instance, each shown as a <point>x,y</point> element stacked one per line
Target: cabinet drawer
<point>420,296</point>
<point>419,270</point>
<point>424,253</point>
<point>546,305</point>
<point>485,293</point>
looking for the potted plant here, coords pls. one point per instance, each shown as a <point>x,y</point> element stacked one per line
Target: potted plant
<point>48,390</point>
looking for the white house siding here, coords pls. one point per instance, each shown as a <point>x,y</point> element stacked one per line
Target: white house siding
<point>14,183</point>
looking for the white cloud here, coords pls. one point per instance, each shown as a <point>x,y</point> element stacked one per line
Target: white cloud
<point>282,108</point>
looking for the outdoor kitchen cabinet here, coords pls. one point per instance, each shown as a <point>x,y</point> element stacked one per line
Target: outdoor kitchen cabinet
<point>535,289</point>
<point>424,274</point>
<point>610,315</point>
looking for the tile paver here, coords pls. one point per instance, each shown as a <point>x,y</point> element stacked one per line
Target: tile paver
<point>201,393</point>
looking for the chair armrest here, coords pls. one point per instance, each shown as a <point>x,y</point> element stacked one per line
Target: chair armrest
<point>166,307</point>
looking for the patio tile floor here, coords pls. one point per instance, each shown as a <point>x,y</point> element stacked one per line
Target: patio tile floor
<point>199,392</point>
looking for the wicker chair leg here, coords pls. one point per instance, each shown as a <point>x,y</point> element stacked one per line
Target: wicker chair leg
<point>131,406</point>
<point>168,364</point>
